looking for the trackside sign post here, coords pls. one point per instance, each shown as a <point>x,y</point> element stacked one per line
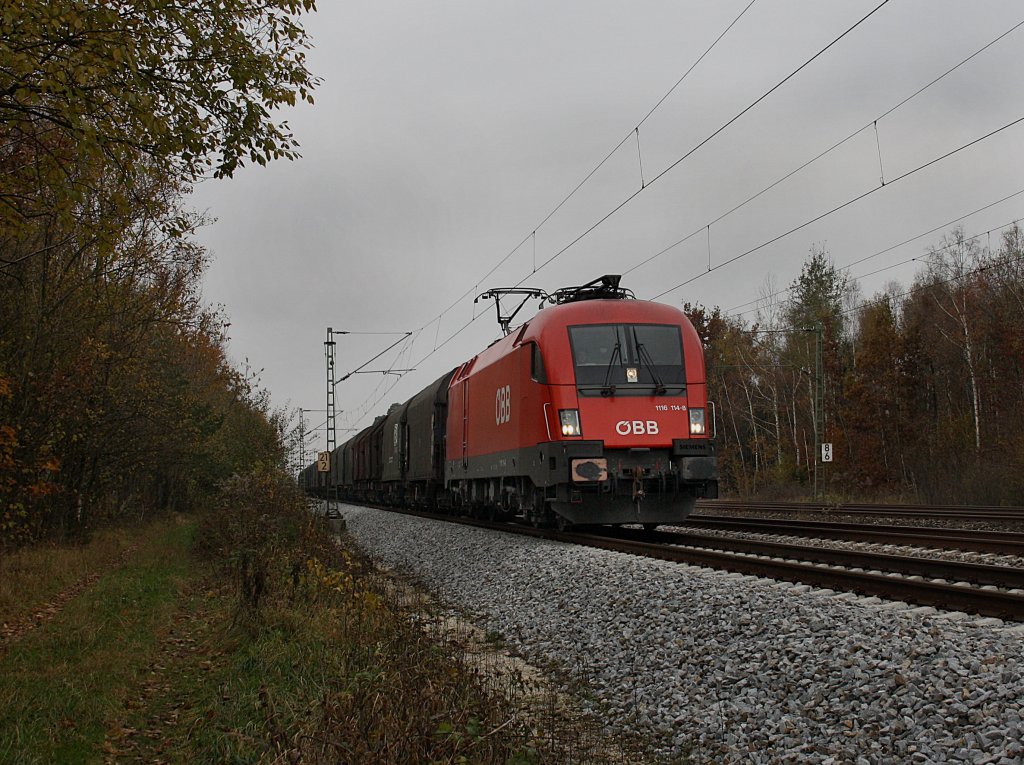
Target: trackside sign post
<point>826,452</point>
<point>323,462</point>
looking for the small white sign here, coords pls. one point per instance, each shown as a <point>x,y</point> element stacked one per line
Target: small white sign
<point>826,452</point>
<point>323,462</point>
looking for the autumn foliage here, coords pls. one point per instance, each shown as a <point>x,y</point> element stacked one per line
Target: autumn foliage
<point>922,393</point>
<point>116,394</point>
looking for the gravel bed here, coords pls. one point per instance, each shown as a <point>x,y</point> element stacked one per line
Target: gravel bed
<point>727,668</point>
<point>962,556</point>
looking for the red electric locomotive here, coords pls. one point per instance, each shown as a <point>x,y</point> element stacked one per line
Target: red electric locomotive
<point>595,411</point>
<point>592,412</point>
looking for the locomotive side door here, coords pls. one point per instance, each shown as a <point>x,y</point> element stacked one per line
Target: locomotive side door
<point>465,424</point>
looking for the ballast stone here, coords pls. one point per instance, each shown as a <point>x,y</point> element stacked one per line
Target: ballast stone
<point>732,670</point>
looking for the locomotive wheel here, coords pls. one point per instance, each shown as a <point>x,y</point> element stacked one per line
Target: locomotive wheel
<point>536,515</point>
<point>541,520</point>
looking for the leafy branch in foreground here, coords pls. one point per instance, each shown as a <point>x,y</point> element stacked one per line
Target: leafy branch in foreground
<point>189,86</point>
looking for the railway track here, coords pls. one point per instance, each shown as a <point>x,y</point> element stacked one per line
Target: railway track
<point>986,590</point>
<point>999,542</point>
<point>1007,577</point>
<point>912,580</point>
<point>993,513</point>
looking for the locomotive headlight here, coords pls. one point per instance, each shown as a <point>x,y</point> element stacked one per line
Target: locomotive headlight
<point>697,427</point>
<point>570,421</point>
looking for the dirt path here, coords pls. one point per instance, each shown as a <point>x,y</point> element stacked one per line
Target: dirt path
<point>162,707</point>
<point>15,629</point>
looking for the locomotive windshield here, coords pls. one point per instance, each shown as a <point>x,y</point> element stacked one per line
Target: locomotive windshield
<point>628,359</point>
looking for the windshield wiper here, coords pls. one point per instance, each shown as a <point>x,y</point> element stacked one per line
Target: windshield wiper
<point>646,360</point>
<point>606,389</point>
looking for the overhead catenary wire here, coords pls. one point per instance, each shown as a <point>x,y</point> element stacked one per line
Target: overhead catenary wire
<point>359,412</point>
<point>947,224</point>
<point>919,258</point>
<point>661,174</point>
<point>706,140</point>
<point>439,344</point>
<point>367,363</point>
<point>370,403</point>
<point>457,332</point>
<point>597,167</point>
<point>632,196</point>
<point>932,285</point>
<point>827,151</point>
<point>842,206</point>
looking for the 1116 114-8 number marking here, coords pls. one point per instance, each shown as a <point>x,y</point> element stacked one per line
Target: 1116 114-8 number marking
<point>503,405</point>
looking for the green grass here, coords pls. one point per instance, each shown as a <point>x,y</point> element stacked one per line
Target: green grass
<point>33,576</point>
<point>251,636</point>
<point>161,659</point>
<point>62,684</point>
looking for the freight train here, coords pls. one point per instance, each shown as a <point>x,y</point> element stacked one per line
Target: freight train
<point>595,411</point>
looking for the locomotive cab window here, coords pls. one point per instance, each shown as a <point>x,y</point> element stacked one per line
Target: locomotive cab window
<point>628,359</point>
<point>537,364</point>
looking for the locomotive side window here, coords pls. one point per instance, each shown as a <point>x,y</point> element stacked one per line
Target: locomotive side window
<point>537,372</point>
<point>628,359</point>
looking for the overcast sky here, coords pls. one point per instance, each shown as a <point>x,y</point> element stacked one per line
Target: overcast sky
<point>445,133</point>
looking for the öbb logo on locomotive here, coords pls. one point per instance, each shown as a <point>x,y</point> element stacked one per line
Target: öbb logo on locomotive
<point>611,422</point>
<point>637,427</point>
<point>503,405</point>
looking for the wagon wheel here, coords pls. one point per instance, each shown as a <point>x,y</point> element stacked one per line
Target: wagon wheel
<point>563,523</point>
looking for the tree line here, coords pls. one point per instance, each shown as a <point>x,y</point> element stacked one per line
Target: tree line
<point>922,393</point>
<point>116,392</point>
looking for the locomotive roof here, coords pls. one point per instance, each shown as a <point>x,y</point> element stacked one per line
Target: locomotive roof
<point>601,312</point>
<point>548,326</point>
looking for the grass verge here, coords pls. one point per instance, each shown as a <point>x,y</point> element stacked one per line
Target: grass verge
<point>253,636</point>
<point>62,683</point>
<point>33,577</point>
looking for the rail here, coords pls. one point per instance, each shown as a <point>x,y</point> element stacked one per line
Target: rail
<point>819,568</point>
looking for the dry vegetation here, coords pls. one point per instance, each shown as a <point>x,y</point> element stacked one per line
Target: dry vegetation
<point>34,578</point>
<point>252,635</point>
